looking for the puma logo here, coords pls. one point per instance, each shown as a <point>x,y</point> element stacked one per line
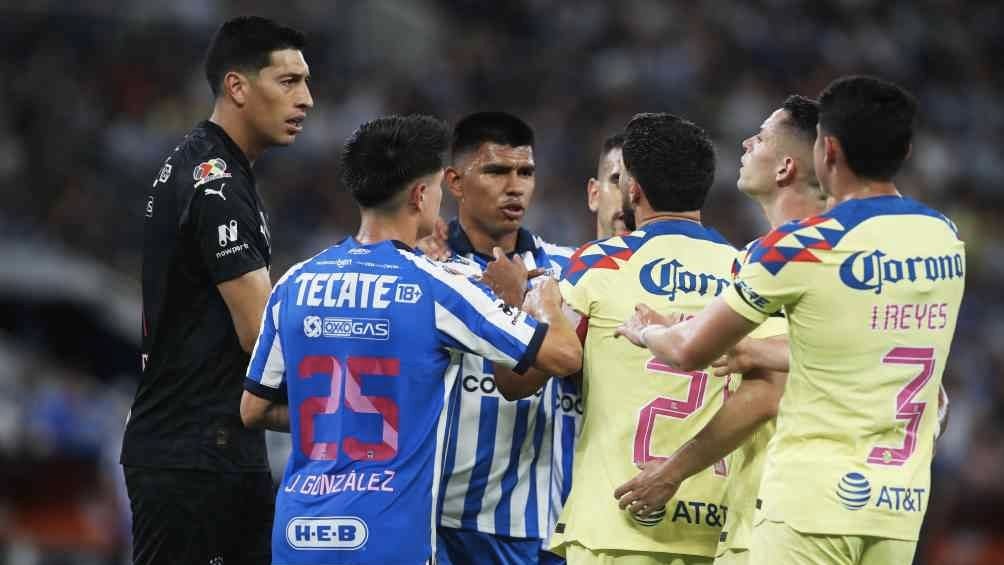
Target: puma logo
<point>219,192</point>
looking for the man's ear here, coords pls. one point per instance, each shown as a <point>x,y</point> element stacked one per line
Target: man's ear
<point>593,195</point>
<point>786,172</point>
<point>635,193</point>
<point>236,86</point>
<point>832,150</point>
<point>416,195</point>
<point>451,178</point>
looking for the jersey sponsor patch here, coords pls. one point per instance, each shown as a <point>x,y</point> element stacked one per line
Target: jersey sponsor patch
<point>213,169</point>
<point>334,532</point>
<point>164,174</point>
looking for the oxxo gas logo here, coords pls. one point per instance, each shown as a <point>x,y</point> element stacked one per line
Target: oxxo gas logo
<point>872,271</point>
<point>854,491</point>
<point>334,532</point>
<point>666,277</point>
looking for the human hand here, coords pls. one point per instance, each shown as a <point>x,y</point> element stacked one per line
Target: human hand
<point>543,299</point>
<point>735,360</point>
<point>644,318</point>
<point>507,277</point>
<point>435,245</point>
<point>648,492</point>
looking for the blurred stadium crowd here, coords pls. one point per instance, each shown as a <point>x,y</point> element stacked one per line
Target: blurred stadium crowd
<point>96,94</point>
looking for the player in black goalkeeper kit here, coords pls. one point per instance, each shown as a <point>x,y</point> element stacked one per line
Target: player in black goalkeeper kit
<point>198,481</point>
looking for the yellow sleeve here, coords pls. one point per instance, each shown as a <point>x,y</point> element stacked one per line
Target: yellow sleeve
<point>576,296</point>
<point>758,293</point>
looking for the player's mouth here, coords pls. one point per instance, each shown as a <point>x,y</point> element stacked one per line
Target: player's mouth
<point>295,125</point>
<point>513,211</point>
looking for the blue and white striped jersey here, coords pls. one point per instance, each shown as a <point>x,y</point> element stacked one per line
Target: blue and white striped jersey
<point>358,340</point>
<point>508,464</point>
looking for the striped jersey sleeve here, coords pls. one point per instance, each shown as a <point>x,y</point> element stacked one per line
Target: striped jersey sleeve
<point>471,319</point>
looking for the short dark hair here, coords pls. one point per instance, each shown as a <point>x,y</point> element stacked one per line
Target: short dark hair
<point>384,155</point>
<point>803,115</point>
<point>873,120</point>
<point>672,159</point>
<point>615,141</point>
<point>246,43</point>
<point>490,127</point>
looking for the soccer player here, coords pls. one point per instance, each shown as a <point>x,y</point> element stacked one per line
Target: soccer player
<point>198,481</point>
<point>353,353</point>
<point>602,193</point>
<point>508,457</point>
<point>638,410</point>
<point>777,173</point>
<point>871,290</point>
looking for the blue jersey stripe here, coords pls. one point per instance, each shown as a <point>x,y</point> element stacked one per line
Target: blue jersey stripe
<point>567,452</point>
<point>450,454</point>
<point>483,465</point>
<point>504,509</point>
<point>532,524</point>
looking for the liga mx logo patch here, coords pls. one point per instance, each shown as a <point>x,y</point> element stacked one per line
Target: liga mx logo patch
<point>209,171</point>
<point>854,491</point>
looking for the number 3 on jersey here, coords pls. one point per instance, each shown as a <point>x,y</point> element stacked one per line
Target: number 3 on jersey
<point>351,375</point>
<point>670,407</point>
<point>906,408</point>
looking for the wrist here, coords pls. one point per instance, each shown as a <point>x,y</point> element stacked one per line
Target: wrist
<point>645,332</point>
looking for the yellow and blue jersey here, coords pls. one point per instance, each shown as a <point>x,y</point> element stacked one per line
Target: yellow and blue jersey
<point>636,409</point>
<point>747,461</point>
<point>871,290</point>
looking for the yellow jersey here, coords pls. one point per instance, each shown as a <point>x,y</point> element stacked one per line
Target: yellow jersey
<point>746,462</point>
<point>638,409</point>
<point>871,290</point>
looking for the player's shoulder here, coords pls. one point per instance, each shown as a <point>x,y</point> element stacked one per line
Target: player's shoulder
<point>856,212</point>
<point>601,256</point>
<point>556,257</point>
<point>203,157</point>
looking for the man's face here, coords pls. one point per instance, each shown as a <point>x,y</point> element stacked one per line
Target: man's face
<point>605,196</point>
<point>763,156</point>
<point>624,183</point>
<point>819,162</point>
<point>278,98</point>
<point>495,185</point>
<point>431,203</point>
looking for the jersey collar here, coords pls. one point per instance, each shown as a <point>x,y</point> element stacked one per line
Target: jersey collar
<point>230,144</point>
<point>461,244</point>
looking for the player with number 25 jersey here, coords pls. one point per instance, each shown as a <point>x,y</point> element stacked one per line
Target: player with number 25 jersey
<point>352,360</point>
<point>366,336</point>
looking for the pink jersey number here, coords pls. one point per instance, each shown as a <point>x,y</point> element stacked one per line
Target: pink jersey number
<point>337,375</point>
<point>906,408</point>
<point>670,407</point>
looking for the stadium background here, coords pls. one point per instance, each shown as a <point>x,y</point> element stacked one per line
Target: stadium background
<point>95,95</point>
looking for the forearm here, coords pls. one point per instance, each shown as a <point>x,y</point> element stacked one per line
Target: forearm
<point>561,352</point>
<point>754,403</point>
<point>770,354</point>
<point>514,386</point>
<point>670,344</point>
<point>276,418</point>
<point>258,412</point>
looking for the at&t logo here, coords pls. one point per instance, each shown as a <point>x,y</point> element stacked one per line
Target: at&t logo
<point>854,491</point>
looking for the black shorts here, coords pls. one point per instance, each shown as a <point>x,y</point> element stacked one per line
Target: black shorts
<point>200,517</point>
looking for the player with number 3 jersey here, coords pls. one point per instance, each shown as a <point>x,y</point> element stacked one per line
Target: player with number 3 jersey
<point>872,290</point>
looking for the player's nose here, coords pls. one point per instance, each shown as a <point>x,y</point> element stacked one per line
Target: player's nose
<point>306,101</point>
